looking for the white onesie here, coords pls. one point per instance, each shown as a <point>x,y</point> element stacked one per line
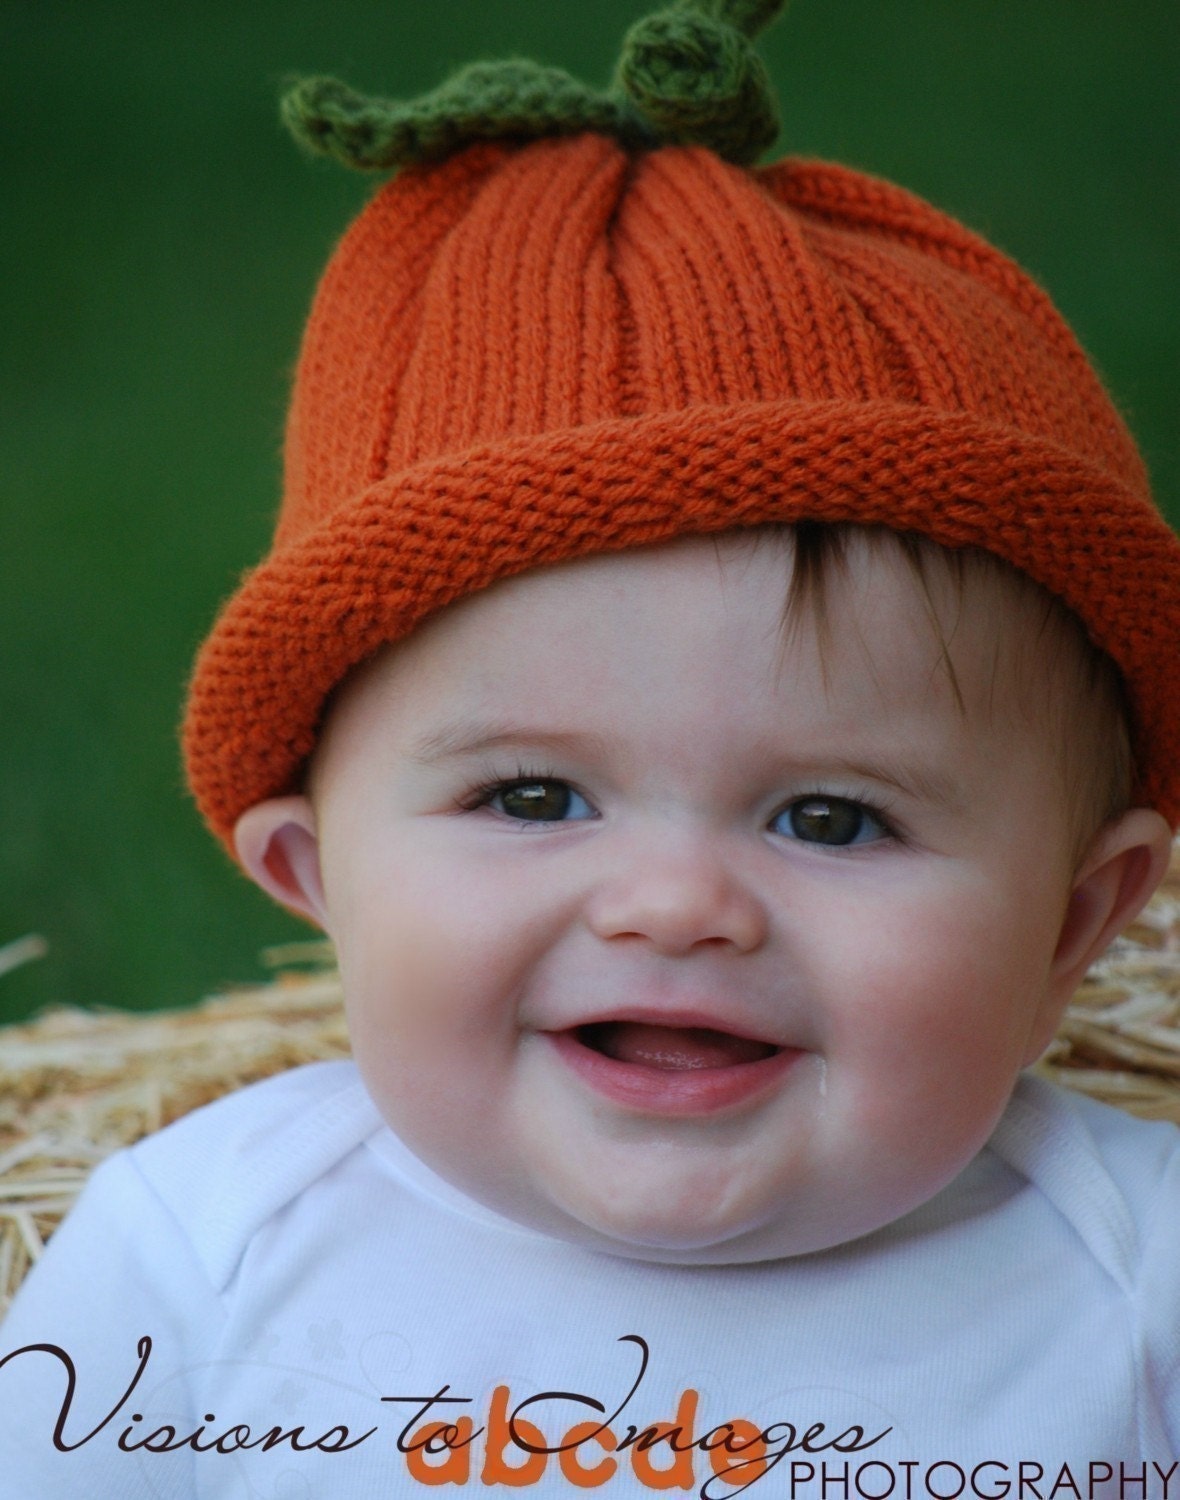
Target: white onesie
<point>273,1298</point>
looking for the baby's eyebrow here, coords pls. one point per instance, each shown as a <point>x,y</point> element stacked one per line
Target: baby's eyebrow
<point>922,783</point>
<point>464,737</point>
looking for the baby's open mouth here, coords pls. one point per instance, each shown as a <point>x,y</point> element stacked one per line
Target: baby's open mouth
<point>653,1068</point>
<point>673,1049</point>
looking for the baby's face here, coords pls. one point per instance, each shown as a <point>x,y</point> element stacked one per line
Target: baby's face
<point>664,934</point>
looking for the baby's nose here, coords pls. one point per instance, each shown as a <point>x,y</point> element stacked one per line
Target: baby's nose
<point>678,892</point>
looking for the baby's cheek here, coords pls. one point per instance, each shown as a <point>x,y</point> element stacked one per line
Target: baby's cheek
<point>927,1058</point>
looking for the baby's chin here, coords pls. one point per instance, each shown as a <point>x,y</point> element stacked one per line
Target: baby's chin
<point>696,1226</point>
<point>666,1231</point>
<point>674,1241</point>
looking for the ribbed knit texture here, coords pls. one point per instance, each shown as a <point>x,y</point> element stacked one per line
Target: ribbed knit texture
<point>532,352</point>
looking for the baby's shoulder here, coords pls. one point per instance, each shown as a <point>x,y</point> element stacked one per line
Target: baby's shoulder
<point>225,1169</point>
<point>298,1102</point>
<point>1134,1151</point>
<point>1113,1177</point>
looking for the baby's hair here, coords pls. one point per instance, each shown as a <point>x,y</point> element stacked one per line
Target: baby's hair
<point>1086,714</point>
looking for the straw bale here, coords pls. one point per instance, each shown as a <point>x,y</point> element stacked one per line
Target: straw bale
<point>77,1084</point>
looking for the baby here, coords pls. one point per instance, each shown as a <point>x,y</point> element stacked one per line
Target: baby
<point>717,682</point>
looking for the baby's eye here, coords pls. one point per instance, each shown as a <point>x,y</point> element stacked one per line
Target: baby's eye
<point>540,802</point>
<point>833,821</point>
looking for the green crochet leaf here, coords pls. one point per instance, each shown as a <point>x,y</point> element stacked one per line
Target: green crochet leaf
<point>483,101</point>
<point>687,74</point>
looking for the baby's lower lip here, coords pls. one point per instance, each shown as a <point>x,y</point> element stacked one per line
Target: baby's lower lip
<point>671,1070</point>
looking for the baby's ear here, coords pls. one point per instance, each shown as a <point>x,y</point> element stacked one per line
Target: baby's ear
<point>279,849</point>
<point>1122,867</point>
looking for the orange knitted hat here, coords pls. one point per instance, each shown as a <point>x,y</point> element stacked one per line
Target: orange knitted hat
<point>524,351</point>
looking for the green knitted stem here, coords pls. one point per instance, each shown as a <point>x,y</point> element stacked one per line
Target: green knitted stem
<point>748,16</point>
<point>687,74</point>
<point>699,80</point>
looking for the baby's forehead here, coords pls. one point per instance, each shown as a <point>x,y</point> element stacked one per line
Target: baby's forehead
<point>899,623</point>
<point>692,676</point>
<point>714,663</point>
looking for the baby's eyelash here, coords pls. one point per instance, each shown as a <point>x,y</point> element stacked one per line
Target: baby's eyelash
<point>876,808</point>
<point>482,793</point>
<point>495,782</point>
<point>876,805</point>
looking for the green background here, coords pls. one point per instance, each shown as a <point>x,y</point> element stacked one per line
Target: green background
<point>161,241</point>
